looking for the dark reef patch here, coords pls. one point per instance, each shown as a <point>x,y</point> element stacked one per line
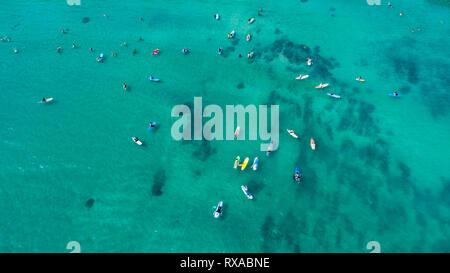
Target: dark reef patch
<point>255,186</point>
<point>85,20</point>
<point>445,192</point>
<point>269,234</point>
<point>405,170</point>
<point>240,85</point>
<point>376,154</point>
<point>89,203</point>
<point>204,151</point>
<point>440,2</point>
<point>360,119</point>
<point>159,179</point>
<point>405,67</point>
<point>277,31</point>
<point>227,51</point>
<point>288,224</point>
<point>235,41</point>
<point>439,103</point>
<point>405,89</point>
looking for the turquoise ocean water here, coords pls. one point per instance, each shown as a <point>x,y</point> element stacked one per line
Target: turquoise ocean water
<point>380,171</point>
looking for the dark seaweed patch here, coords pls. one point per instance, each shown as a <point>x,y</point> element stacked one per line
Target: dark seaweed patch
<point>438,102</point>
<point>226,51</point>
<point>329,132</point>
<point>255,186</point>
<point>89,203</point>
<point>405,89</point>
<point>440,2</point>
<point>204,150</point>
<point>235,41</point>
<point>288,224</point>
<point>360,119</point>
<point>277,31</point>
<point>159,179</point>
<point>445,192</point>
<point>376,153</point>
<point>405,67</point>
<point>319,231</point>
<point>240,85</point>
<point>441,246</point>
<point>405,171</point>
<point>85,20</point>
<point>269,234</point>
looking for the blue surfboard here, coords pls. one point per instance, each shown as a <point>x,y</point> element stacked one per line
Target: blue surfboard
<point>297,171</point>
<point>154,124</point>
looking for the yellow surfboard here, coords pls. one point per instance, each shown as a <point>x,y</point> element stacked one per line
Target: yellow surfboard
<point>245,163</point>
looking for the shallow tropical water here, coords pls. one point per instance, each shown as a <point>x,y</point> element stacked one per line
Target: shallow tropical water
<point>380,171</point>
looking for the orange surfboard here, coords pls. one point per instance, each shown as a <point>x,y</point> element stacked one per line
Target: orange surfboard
<point>236,133</point>
<point>313,145</point>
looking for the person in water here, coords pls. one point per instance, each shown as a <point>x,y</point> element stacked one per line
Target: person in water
<point>44,100</point>
<point>125,86</point>
<point>134,51</point>
<point>151,123</point>
<point>58,49</point>
<point>220,50</point>
<point>297,177</point>
<point>91,49</point>
<point>395,94</point>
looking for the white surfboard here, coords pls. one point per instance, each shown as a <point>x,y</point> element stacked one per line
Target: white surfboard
<point>292,133</point>
<point>46,100</point>
<point>334,96</point>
